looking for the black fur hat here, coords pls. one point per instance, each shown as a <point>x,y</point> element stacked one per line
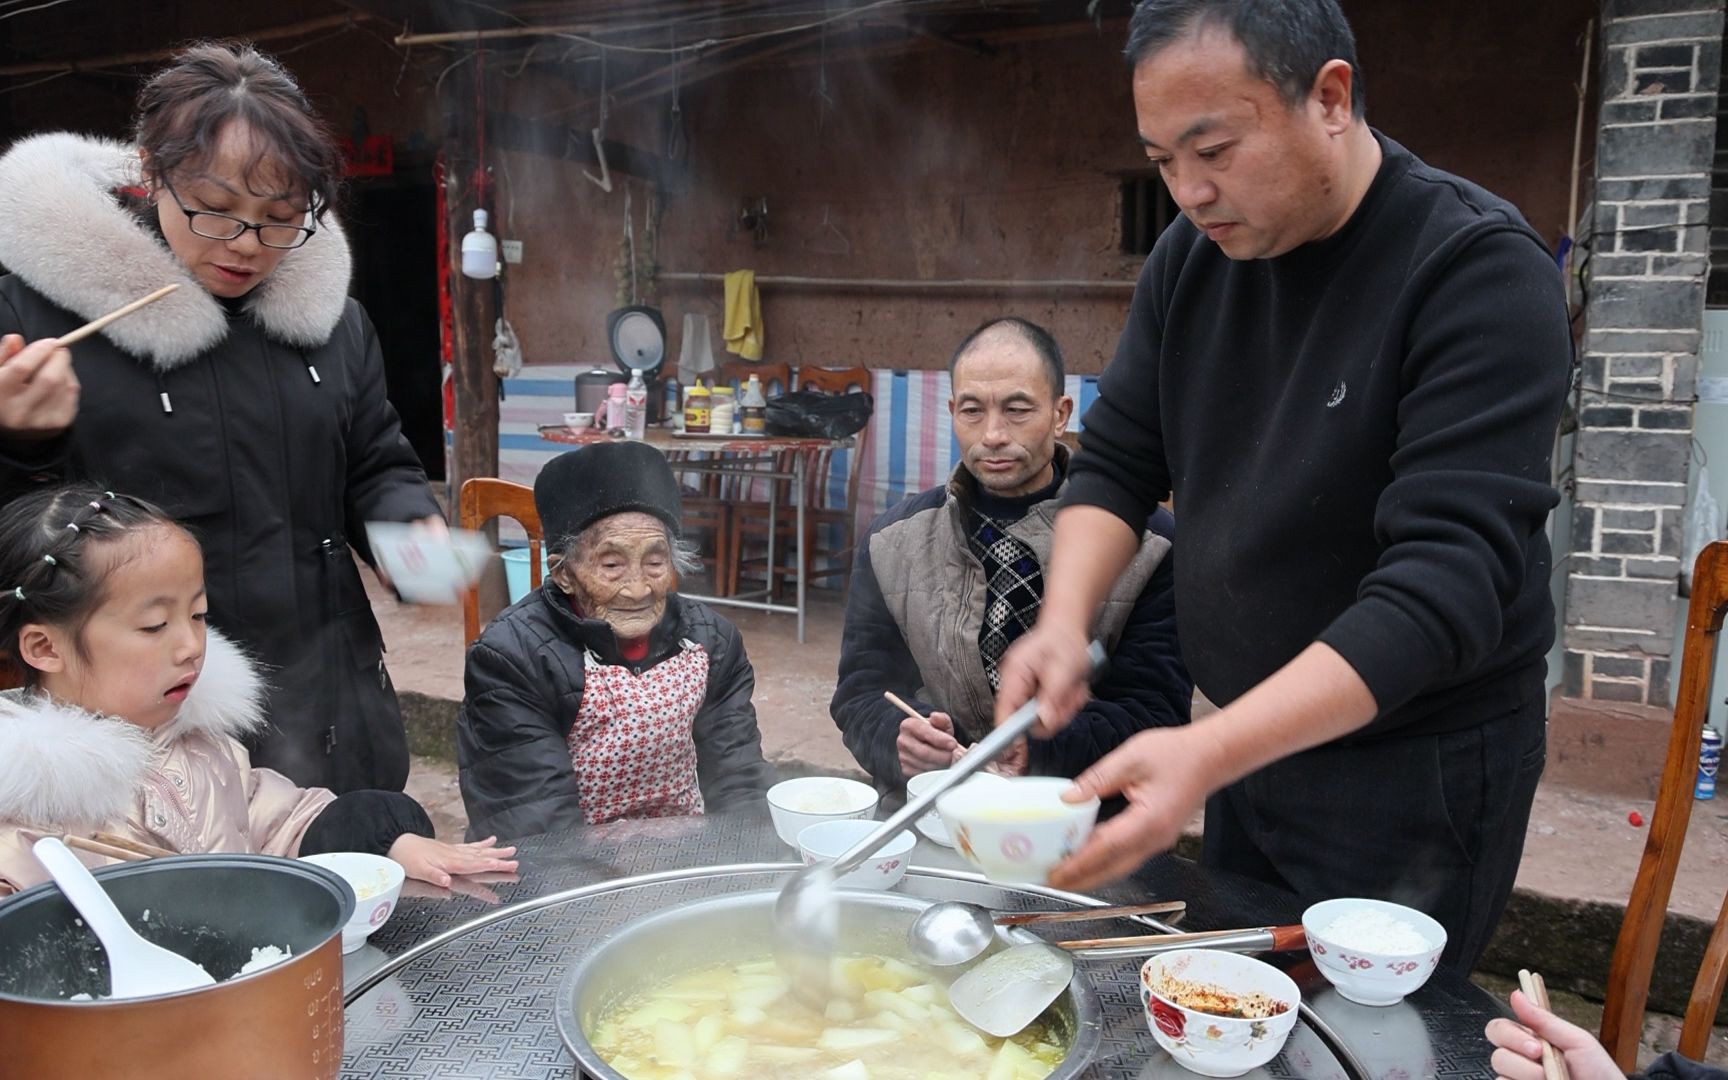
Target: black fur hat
<point>576,489</point>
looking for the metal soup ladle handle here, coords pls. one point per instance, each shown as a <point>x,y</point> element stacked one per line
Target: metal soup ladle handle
<point>983,752</point>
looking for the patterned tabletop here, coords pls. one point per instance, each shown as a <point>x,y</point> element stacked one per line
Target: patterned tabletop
<point>460,986</point>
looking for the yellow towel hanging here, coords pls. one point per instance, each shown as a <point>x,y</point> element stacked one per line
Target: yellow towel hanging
<point>743,330</point>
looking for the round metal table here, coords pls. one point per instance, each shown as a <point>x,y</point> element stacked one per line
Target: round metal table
<point>462,986</point>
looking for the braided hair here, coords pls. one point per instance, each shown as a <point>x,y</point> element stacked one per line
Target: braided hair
<point>49,543</point>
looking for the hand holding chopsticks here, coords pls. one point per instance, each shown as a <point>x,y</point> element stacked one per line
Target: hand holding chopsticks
<point>1541,1044</point>
<point>1553,1062</point>
<point>38,388</point>
<point>924,743</point>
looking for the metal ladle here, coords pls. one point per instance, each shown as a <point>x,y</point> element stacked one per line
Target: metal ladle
<point>952,932</point>
<point>806,917</point>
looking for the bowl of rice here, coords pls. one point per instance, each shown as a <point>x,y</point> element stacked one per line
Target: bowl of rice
<point>377,883</point>
<point>797,804</point>
<point>1218,1013</point>
<point>1373,951</point>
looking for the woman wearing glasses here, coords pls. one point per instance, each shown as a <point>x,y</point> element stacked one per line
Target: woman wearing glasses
<point>249,403</point>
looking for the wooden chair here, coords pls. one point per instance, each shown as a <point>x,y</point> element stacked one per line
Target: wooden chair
<point>1641,930</point>
<point>481,500</point>
<point>749,520</point>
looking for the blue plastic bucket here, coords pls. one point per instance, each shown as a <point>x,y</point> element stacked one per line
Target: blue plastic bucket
<point>516,571</point>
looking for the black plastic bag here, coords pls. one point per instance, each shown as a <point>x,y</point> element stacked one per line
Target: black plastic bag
<point>812,414</point>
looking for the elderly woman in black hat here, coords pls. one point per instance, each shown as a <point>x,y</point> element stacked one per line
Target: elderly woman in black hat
<point>605,694</point>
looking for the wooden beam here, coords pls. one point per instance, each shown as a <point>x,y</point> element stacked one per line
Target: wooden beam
<point>152,56</point>
<point>475,446</point>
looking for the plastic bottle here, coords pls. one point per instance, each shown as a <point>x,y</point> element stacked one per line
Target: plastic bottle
<point>697,409</point>
<point>753,408</point>
<point>725,411</point>
<point>615,407</point>
<point>636,407</point>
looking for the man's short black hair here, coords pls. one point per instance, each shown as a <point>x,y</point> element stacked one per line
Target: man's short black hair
<point>1049,353</point>
<point>1287,41</point>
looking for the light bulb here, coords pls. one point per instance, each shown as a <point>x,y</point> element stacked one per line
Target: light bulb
<point>480,250</point>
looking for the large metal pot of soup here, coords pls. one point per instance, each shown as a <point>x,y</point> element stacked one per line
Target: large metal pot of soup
<point>694,991</point>
<point>284,1020</point>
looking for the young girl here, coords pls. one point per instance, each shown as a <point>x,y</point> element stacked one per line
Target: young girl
<point>130,720</point>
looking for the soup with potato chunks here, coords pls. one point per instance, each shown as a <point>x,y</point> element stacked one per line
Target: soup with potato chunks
<point>886,1020</point>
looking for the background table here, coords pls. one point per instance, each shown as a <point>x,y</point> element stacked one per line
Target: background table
<point>460,987</point>
<point>749,457</point>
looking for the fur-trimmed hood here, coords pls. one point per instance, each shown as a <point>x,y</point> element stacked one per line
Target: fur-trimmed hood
<point>62,765</point>
<point>64,233</point>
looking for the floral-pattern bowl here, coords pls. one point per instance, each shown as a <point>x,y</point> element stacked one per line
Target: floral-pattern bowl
<point>1212,1043</point>
<point>1017,830</point>
<point>1365,976</point>
<point>826,841</point>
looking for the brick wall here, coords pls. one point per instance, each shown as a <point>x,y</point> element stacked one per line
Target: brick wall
<point>1649,258</point>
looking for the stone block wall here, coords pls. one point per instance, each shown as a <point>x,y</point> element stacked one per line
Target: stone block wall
<point>1649,258</point>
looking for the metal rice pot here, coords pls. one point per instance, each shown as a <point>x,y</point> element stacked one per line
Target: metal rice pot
<point>739,928</point>
<point>593,385</point>
<point>282,1021</point>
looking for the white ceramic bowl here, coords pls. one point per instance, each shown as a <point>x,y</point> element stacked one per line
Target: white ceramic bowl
<point>1365,976</point>
<point>579,420</point>
<point>793,804</point>
<point>1207,1043</point>
<point>376,881</point>
<point>1017,830</point>
<point>931,823</point>
<point>826,841</point>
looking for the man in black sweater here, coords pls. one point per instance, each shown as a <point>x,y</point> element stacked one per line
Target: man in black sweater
<point>1349,367</point>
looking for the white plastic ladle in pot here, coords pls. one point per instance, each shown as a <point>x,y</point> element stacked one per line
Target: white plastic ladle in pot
<point>136,968</point>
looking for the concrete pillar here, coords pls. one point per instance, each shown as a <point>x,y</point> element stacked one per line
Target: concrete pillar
<point>1649,257</point>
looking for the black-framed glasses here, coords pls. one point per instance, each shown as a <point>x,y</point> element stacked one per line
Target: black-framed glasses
<point>213,226</point>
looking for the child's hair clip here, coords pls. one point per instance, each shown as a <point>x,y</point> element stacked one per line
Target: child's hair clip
<point>95,505</point>
<point>73,525</point>
<point>18,592</point>
<point>109,495</point>
<point>51,560</point>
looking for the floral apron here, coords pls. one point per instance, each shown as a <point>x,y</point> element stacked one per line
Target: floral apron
<point>631,743</point>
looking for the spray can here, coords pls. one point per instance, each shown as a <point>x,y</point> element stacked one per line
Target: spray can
<point>1709,757</point>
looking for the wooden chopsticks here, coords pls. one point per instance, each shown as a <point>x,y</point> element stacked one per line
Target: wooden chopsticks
<point>115,847</point>
<point>895,700</point>
<point>1553,1064</point>
<point>95,325</point>
<point>139,846</point>
<point>1027,918</point>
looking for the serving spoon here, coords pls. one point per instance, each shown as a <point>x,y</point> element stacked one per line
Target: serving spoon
<point>951,932</point>
<point>136,968</point>
<point>806,917</point>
